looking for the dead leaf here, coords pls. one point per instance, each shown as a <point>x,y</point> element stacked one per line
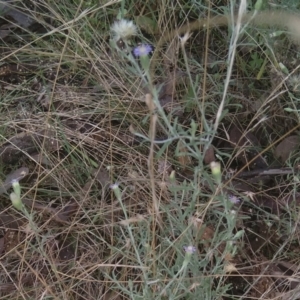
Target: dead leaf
<point>5,30</point>
<point>167,94</point>
<point>208,234</point>
<point>93,134</point>
<point>2,245</point>
<point>87,187</point>
<point>266,201</point>
<point>167,97</point>
<point>205,234</point>
<point>41,158</point>
<point>285,148</point>
<point>29,143</point>
<point>247,146</point>
<point>288,273</point>
<point>230,268</point>
<point>209,155</point>
<point>60,215</point>
<point>137,219</point>
<point>291,199</point>
<point>12,239</point>
<point>169,60</point>
<point>19,17</point>
<point>68,210</point>
<point>7,287</point>
<point>9,221</point>
<point>182,154</point>
<point>112,296</point>
<point>102,176</point>
<point>147,24</point>
<point>67,250</point>
<point>164,167</point>
<point>4,33</point>
<point>15,175</point>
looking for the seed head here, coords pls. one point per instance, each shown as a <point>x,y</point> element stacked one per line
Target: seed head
<point>123,29</point>
<point>294,83</point>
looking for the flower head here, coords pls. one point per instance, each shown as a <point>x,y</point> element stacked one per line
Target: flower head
<point>114,186</point>
<point>233,199</point>
<point>142,50</point>
<point>116,189</point>
<point>189,249</point>
<point>123,29</point>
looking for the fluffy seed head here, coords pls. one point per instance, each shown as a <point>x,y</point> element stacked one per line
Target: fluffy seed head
<point>123,29</point>
<point>294,83</point>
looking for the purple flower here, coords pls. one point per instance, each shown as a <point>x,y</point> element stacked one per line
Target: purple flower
<point>189,249</point>
<point>233,199</point>
<point>142,50</point>
<point>114,186</point>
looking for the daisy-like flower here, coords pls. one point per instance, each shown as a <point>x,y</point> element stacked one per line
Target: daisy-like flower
<point>123,29</point>
<point>189,249</point>
<point>233,199</point>
<point>142,50</point>
<point>116,189</point>
<point>114,186</point>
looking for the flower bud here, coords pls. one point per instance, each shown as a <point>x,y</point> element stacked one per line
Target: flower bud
<point>16,187</point>
<point>16,201</point>
<point>216,171</point>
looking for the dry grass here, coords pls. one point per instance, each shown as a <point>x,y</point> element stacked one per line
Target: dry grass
<point>79,115</point>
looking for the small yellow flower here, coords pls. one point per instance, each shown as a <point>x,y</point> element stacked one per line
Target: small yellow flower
<point>123,29</point>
